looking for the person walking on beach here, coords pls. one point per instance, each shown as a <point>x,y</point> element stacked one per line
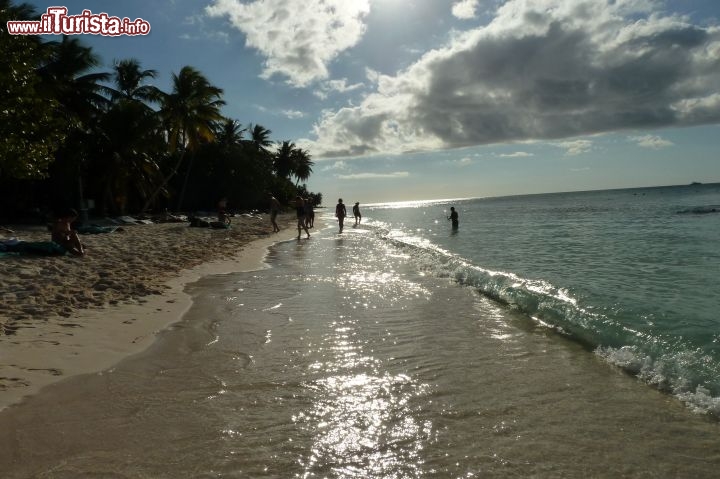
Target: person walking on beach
<point>454,218</point>
<point>64,235</point>
<point>274,210</point>
<point>309,213</point>
<point>300,212</point>
<point>340,213</point>
<point>356,213</point>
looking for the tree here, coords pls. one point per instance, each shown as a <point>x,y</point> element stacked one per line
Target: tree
<point>283,160</point>
<point>260,138</point>
<point>290,161</point>
<point>229,133</point>
<point>128,140</point>
<point>129,82</point>
<point>188,114</point>
<point>302,165</point>
<point>68,75</point>
<point>30,126</point>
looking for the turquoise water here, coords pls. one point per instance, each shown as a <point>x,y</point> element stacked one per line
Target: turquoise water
<point>632,274</point>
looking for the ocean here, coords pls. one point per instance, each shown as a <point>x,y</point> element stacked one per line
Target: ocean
<point>632,274</point>
<point>559,335</point>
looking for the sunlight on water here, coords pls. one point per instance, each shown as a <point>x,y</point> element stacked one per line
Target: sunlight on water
<point>414,204</point>
<point>362,420</point>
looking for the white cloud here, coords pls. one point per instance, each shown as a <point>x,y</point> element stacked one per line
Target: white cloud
<point>517,154</point>
<point>540,70</point>
<point>338,165</point>
<point>336,86</point>
<point>465,9</point>
<point>575,147</point>
<point>298,38</point>
<point>460,163</point>
<point>293,114</point>
<point>651,141</point>
<point>373,176</point>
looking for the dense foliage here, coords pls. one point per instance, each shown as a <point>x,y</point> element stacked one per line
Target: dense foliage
<point>69,133</point>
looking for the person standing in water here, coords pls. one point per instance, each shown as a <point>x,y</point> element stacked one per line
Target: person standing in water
<point>309,213</point>
<point>356,213</point>
<point>340,213</point>
<point>300,212</point>
<point>274,209</point>
<point>454,218</point>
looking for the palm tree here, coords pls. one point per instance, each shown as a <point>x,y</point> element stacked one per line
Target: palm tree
<point>129,140</point>
<point>229,133</point>
<point>284,158</point>
<point>290,161</point>
<point>129,144</point>
<point>260,138</point>
<point>68,75</point>
<point>190,110</point>
<point>189,113</point>
<point>130,79</point>
<point>302,165</point>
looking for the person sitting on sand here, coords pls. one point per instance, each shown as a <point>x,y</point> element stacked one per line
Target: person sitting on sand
<point>64,235</point>
<point>223,217</point>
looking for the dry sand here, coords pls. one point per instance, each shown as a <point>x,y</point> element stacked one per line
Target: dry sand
<point>63,315</point>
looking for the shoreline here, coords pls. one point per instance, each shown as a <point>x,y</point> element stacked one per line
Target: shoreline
<point>45,348</point>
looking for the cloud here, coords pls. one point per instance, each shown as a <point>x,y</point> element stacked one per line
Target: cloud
<point>293,114</point>
<point>465,9</point>
<point>651,141</point>
<point>461,163</point>
<point>374,176</point>
<point>540,70</point>
<point>517,154</point>
<point>337,86</point>
<point>298,38</point>
<point>338,165</point>
<point>575,147</point>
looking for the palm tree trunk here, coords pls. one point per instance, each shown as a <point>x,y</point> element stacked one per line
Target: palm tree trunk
<point>185,182</point>
<point>166,180</point>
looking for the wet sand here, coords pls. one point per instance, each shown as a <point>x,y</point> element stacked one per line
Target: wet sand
<point>65,315</point>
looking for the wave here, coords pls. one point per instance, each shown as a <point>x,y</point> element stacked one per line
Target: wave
<point>665,363</point>
<point>700,210</point>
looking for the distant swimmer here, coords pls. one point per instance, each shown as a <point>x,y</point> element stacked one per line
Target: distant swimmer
<point>340,213</point>
<point>356,213</point>
<point>454,218</point>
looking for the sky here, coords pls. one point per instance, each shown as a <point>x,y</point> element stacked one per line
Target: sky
<point>402,100</point>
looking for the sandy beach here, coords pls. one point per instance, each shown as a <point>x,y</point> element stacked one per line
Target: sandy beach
<point>339,358</point>
<point>65,315</point>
